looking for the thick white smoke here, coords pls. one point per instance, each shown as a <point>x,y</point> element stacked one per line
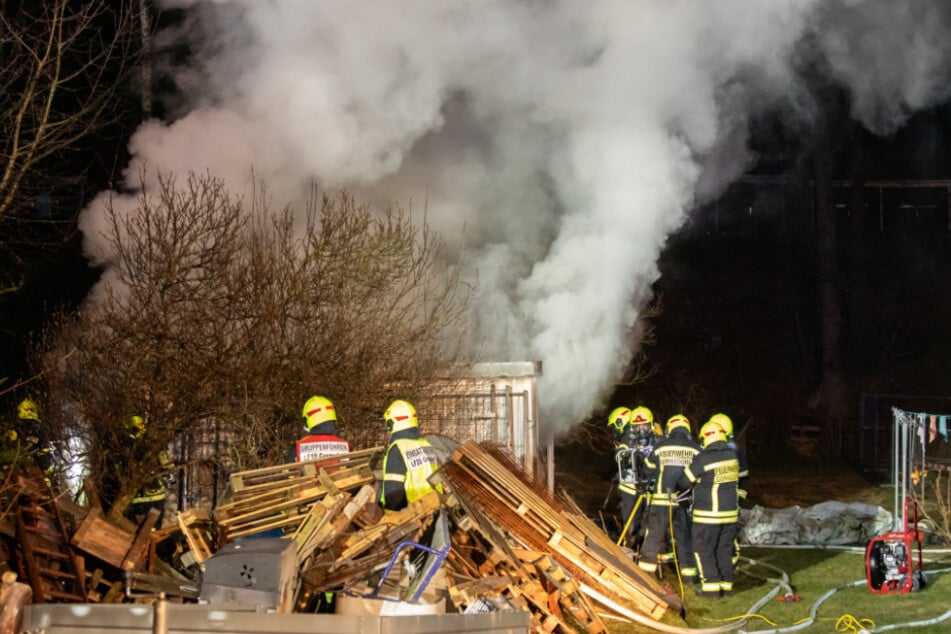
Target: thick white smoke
<point>558,142</point>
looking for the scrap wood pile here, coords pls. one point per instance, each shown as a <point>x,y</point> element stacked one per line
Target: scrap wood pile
<point>490,539</point>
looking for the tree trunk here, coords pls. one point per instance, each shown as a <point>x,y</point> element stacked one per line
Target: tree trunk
<point>830,400</point>
<point>145,25</point>
<point>116,513</point>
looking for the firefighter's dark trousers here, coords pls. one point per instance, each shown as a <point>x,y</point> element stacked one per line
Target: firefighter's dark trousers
<point>657,542</point>
<point>713,546</point>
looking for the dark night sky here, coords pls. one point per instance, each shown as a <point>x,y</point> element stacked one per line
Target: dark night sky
<point>740,323</point>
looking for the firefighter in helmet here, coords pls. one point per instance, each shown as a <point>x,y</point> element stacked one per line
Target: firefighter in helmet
<point>619,421</point>
<point>320,422</point>
<point>714,475</point>
<point>409,459</point>
<point>726,423</point>
<point>637,476</point>
<point>622,435</point>
<point>667,515</point>
<point>32,436</point>
<point>152,494</point>
<point>742,488</point>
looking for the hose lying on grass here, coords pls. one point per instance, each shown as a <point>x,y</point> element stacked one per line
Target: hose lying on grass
<point>780,584</point>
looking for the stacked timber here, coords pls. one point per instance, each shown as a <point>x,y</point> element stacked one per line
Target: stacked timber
<point>489,485</point>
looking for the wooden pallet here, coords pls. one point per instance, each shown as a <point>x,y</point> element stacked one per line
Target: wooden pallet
<point>54,572</point>
<point>102,539</point>
<point>195,526</point>
<point>252,482</point>
<point>285,504</point>
<point>491,483</point>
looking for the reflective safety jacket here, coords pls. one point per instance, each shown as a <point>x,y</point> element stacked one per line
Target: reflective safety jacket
<point>408,462</point>
<point>714,474</point>
<point>670,458</point>
<point>317,446</point>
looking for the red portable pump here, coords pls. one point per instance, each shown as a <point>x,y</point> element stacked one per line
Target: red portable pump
<point>890,558</point>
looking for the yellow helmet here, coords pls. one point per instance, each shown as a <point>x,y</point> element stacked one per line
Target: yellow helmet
<point>27,409</point>
<point>400,415</point>
<point>642,415</point>
<point>711,432</point>
<point>136,425</point>
<point>723,421</point>
<point>677,421</point>
<point>318,410</point>
<point>619,418</point>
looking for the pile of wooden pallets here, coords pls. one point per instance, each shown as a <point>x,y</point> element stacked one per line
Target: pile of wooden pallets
<point>490,538</point>
<point>279,498</point>
<point>501,500</point>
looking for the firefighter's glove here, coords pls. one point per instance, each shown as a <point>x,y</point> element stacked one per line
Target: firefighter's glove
<point>682,497</point>
<point>10,435</point>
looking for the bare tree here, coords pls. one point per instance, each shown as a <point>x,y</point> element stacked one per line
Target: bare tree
<point>222,318</point>
<point>63,64</point>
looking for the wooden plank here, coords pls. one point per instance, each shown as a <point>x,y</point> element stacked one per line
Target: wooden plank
<point>137,556</point>
<point>327,481</point>
<point>115,594</point>
<point>310,532</point>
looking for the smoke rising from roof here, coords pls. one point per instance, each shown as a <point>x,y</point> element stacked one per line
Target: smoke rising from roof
<point>557,143</point>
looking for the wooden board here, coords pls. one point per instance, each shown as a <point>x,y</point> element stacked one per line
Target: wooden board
<point>102,539</point>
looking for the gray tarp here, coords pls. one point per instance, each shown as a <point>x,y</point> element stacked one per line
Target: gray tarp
<point>829,523</point>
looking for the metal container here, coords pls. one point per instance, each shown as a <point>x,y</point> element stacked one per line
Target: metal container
<point>201,619</point>
<point>257,573</point>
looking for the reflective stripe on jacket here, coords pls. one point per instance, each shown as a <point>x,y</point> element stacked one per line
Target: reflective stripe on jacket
<point>317,446</point>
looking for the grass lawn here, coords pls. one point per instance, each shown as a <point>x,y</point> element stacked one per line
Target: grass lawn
<point>812,573</point>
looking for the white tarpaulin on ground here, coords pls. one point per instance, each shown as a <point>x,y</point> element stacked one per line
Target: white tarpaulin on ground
<point>829,523</point>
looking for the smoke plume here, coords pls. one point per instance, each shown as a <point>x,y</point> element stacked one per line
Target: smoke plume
<point>557,143</point>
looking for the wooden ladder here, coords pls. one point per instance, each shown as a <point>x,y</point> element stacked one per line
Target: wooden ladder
<point>46,558</point>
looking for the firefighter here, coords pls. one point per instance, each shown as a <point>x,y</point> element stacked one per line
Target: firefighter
<point>726,423</point>
<point>409,459</point>
<point>714,475</point>
<point>320,423</point>
<point>153,493</point>
<point>622,435</point>
<point>618,424</point>
<point>32,437</point>
<point>638,478</point>
<point>667,516</point>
